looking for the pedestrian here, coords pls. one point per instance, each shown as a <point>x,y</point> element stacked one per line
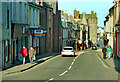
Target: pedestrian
<point>109,51</point>
<point>24,53</point>
<point>32,53</point>
<point>104,50</point>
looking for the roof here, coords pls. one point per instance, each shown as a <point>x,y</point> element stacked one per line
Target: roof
<point>33,3</point>
<point>46,5</point>
<point>111,8</point>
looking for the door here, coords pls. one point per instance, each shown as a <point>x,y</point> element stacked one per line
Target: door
<point>13,52</point>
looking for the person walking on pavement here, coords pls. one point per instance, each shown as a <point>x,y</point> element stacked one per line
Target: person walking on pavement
<point>109,51</point>
<point>104,50</point>
<point>24,53</point>
<point>32,53</point>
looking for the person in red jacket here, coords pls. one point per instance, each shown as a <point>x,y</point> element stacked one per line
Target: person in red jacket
<point>24,53</point>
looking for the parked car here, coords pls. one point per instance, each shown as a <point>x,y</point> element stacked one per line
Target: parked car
<point>68,51</point>
<point>94,47</point>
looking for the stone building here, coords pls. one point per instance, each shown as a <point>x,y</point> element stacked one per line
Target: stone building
<point>51,24</point>
<point>6,34</point>
<point>64,19</point>
<point>71,31</point>
<point>116,30</point>
<point>86,23</point>
<point>92,23</point>
<point>24,20</point>
<point>33,22</point>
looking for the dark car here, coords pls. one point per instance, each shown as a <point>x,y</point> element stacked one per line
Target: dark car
<point>98,45</point>
<point>94,47</point>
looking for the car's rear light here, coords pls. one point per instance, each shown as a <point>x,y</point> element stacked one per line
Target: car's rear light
<point>72,51</point>
<point>63,51</point>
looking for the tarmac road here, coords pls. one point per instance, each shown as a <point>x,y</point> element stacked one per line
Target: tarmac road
<point>86,66</point>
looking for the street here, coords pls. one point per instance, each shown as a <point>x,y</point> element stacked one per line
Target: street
<point>85,66</point>
<point>38,34</point>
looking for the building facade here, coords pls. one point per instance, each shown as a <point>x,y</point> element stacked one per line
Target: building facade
<point>112,28</point>
<point>64,19</point>
<point>6,34</point>
<point>86,23</point>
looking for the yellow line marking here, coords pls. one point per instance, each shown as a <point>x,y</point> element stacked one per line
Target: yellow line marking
<point>102,62</point>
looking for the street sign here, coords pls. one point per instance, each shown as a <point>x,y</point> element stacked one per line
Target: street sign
<point>38,33</point>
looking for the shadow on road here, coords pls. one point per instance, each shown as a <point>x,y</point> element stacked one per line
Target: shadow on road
<point>18,62</point>
<point>69,55</point>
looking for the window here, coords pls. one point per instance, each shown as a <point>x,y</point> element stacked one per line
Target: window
<point>49,31</point>
<point>7,19</point>
<point>34,17</point>
<point>92,20</point>
<point>30,15</point>
<point>6,50</point>
<point>23,30</point>
<point>14,9</point>
<point>40,18</point>
<point>68,49</point>
<point>20,14</point>
<point>25,13</point>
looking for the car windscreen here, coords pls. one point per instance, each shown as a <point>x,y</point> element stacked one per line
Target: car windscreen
<point>67,48</point>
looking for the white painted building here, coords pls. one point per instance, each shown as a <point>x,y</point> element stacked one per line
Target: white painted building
<point>109,26</point>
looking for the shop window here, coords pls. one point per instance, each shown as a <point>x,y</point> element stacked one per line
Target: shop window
<point>23,30</point>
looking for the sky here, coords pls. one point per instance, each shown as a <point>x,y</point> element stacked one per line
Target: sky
<point>100,7</point>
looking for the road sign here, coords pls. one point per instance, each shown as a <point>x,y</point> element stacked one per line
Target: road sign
<point>38,33</point>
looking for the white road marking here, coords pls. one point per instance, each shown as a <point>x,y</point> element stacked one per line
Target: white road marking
<point>77,57</point>
<point>102,62</point>
<point>63,73</point>
<point>74,59</point>
<point>72,63</point>
<point>49,80</point>
<point>70,67</point>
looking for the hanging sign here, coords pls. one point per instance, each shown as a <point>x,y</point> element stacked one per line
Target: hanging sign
<point>38,33</point>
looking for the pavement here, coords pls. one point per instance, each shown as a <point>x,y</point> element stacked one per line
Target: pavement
<point>19,67</point>
<point>113,62</point>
